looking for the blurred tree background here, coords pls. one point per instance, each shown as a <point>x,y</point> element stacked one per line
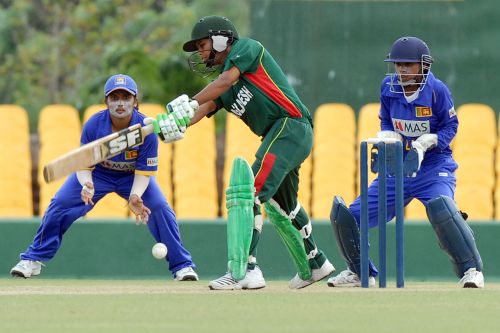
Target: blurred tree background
<point>56,51</point>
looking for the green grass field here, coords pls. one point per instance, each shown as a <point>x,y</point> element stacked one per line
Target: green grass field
<point>38,305</point>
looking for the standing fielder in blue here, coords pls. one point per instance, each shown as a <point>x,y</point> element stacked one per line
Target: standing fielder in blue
<point>129,174</point>
<point>417,109</point>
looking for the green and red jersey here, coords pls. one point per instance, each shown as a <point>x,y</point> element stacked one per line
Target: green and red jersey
<point>262,95</point>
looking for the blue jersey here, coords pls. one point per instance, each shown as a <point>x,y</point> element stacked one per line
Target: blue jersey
<point>432,112</point>
<point>141,160</point>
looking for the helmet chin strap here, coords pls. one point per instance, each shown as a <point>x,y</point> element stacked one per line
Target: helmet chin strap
<point>211,59</point>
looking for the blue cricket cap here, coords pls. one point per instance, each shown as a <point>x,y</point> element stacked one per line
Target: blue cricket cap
<point>120,82</point>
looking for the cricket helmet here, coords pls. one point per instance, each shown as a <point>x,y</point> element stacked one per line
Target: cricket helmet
<point>409,50</point>
<point>209,26</point>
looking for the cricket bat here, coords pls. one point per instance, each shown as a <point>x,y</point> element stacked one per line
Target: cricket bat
<point>96,151</point>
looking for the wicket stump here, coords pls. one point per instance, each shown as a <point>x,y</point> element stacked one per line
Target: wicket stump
<point>382,211</point>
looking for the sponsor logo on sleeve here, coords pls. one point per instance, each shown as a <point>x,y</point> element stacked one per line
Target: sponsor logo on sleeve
<point>152,161</point>
<point>423,111</point>
<point>452,112</point>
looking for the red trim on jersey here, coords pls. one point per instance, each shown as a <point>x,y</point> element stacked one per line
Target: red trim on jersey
<point>265,170</point>
<point>264,82</point>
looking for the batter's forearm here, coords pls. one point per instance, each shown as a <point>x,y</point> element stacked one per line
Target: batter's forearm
<point>219,86</point>
<point>202,112</point>
<point>212,91</point>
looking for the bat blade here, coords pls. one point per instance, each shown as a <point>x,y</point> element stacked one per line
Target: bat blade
<point>95,152</point>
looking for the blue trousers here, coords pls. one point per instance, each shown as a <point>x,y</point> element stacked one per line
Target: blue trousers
<point>428,184</point>
<point>66,207</point>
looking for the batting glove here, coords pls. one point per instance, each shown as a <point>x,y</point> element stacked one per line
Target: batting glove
<point>167,128</point>
<point>182,109</point>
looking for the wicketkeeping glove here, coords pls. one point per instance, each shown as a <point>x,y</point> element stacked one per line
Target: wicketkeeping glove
<point>182,110</point>
<point>415,156</point>
<point>390,153</point>
<point>390,158</point>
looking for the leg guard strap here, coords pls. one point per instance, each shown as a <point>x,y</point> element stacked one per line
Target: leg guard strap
<point>306,230</point>
<point>258,221</point>
<point>312,254</point>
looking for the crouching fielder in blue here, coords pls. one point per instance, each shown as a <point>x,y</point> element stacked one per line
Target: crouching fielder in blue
<point>130,175</point>
<point>417,109</point>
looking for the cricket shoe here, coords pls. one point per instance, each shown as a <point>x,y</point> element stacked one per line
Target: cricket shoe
<point>186,274</point>
<point>26,269</point>
<point>472,279</point>
<point>316,275</point>
<point>348,279</point>
<point>252,280</point>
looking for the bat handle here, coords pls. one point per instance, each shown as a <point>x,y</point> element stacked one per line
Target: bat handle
<point>148,129</point>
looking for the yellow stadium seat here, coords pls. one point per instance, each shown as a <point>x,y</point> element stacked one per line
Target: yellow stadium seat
<point>59,132</point>
<point>305,184</point>
<point>91,110</point>
<point>334,157</point>
<point>111,206</point>
<point>16,195</point>
<point>240,141</point>
<point>415,210</point>
<point>368,126</point>
<point>194,173</point>
<point>474,150</point>
<point>151,109</point>
<point>497,182</point>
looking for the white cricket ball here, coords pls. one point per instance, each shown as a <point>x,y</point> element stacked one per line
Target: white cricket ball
<point>159,251</point>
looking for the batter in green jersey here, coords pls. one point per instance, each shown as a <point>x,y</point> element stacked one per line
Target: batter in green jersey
<point>254,88</point>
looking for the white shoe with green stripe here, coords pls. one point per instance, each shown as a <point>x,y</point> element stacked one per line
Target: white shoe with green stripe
<point>253,280</point>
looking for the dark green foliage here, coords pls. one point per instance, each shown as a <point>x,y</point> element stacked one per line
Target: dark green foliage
<point>63,51</point>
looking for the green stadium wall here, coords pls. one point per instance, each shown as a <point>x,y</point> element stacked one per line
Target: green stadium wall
<point>333,51</point>
<point>105,249</point>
